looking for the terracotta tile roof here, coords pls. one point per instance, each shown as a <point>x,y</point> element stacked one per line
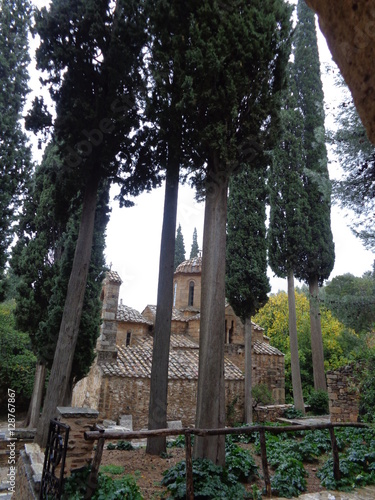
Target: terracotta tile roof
<point>130,315</point>
<point>193,265</point>
<point>113,277</point>
<point>263,348</point>
<point>177,314</point>
<point>178,341</point>
<point>135,362</point>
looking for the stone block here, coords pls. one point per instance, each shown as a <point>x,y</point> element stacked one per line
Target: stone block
<point>126,421</point>
<point>174,424</point>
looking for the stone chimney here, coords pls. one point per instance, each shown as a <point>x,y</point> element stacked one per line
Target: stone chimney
<point>106,345</point>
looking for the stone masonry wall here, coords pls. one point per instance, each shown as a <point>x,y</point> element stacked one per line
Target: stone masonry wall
<point>343,395</point>
<point>125,396</point>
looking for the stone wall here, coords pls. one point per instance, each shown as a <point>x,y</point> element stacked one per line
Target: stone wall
<point>125,396</point>
<point>269,413</point>
<point>270,370</point>
<point>181,285</point>
<point>137,330</point>
<point>343,395</point>
<point>86,392</point>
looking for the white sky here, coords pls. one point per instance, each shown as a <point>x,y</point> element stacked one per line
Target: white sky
<point>133,234</point>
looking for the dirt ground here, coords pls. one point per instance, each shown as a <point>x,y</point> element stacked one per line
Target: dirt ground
<point>149,469</point>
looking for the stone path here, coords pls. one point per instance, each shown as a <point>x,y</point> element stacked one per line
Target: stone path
<point>367,493</point>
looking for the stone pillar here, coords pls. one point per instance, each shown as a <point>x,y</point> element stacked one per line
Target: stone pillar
<point>106,345</point>
<point>79,451</point>
<point>343,394</point>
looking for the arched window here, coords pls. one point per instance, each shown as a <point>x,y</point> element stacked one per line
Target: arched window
<point>191,293</point>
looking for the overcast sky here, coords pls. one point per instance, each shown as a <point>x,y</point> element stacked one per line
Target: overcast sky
<point>133,234</point>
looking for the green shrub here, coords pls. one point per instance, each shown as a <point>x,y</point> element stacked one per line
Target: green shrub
<point>357,462</point>
<point>261,394</point>
<point>292,413</point>
<point>239,462</point>
<point>17,361</point>
<point>289,479</point>
<point>179,442</point>
<point>367,390</point>
<point>112,469</point>
<point>210,482</point>
<point>124,445</point>
<point>318,401</point>
<point>108,488</point>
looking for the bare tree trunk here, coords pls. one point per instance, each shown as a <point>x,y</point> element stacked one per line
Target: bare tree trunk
<point>157,416</point>
<point>35,405</point>
<point>66,343</point>
<point>316,338</point>
<point>248,373</point>
<point>294,356</point>
<point>211,396</point>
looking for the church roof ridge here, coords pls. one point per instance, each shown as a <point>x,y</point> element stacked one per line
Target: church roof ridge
<point>190,266</point>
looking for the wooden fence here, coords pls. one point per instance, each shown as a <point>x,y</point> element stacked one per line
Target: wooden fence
<point>101,435</point>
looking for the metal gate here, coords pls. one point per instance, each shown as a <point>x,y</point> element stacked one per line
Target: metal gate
<point>52,486</point>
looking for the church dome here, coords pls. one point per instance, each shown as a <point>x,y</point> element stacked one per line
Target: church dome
<point>191,266</point>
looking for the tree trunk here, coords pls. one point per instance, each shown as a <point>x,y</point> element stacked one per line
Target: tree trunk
<point>66,343</point>
<point>316,338</point>
<point>157,416</point>
<point>211,396</point>
<point>248,373</point>
<point>35,405</point>
<point>294,356</point>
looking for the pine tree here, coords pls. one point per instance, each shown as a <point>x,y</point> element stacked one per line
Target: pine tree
<point>320,255</point>
<point>236,60</point>
<point>194,252</point>
<point>247,284</point>
<point>288,229</point>
<point>15,159</point>
<point>179,252</point>
<point>92,56</point>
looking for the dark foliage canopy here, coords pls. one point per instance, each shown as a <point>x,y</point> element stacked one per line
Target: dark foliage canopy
<point>247,284</point>
<point>319,249</point>
<point>15,162</point>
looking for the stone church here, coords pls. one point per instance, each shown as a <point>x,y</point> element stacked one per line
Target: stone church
<point>119,380</point>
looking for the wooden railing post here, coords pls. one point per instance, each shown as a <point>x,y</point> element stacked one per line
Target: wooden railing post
<point>335,452</point>
<point>263,452</point>
<point>92,482</point>
<point>189,468</point>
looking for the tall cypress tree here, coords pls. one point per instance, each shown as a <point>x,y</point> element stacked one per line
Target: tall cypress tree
<point>288,229</point>
<point>91,51</point>
<point>179,249</point>
<point>42,259</point>
<point>247,284</point>
<point>320,256</point>
<point>15,159</point>
<point>168,40</point>
<point>194,252</point>
<point>236,60</point>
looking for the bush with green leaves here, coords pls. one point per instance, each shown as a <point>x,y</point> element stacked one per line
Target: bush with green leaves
<point>108,488</point>
<point>17,361</point>
<point>261,394</point>
<point>179,442</point>
<point>357,460</point>
<point>210,481</point>
<point>121,445</point>
<point>239,461</point>
<point>292,413</point>
<point>367,389</point>
<point>289,478</point>
<point>318,401</point>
